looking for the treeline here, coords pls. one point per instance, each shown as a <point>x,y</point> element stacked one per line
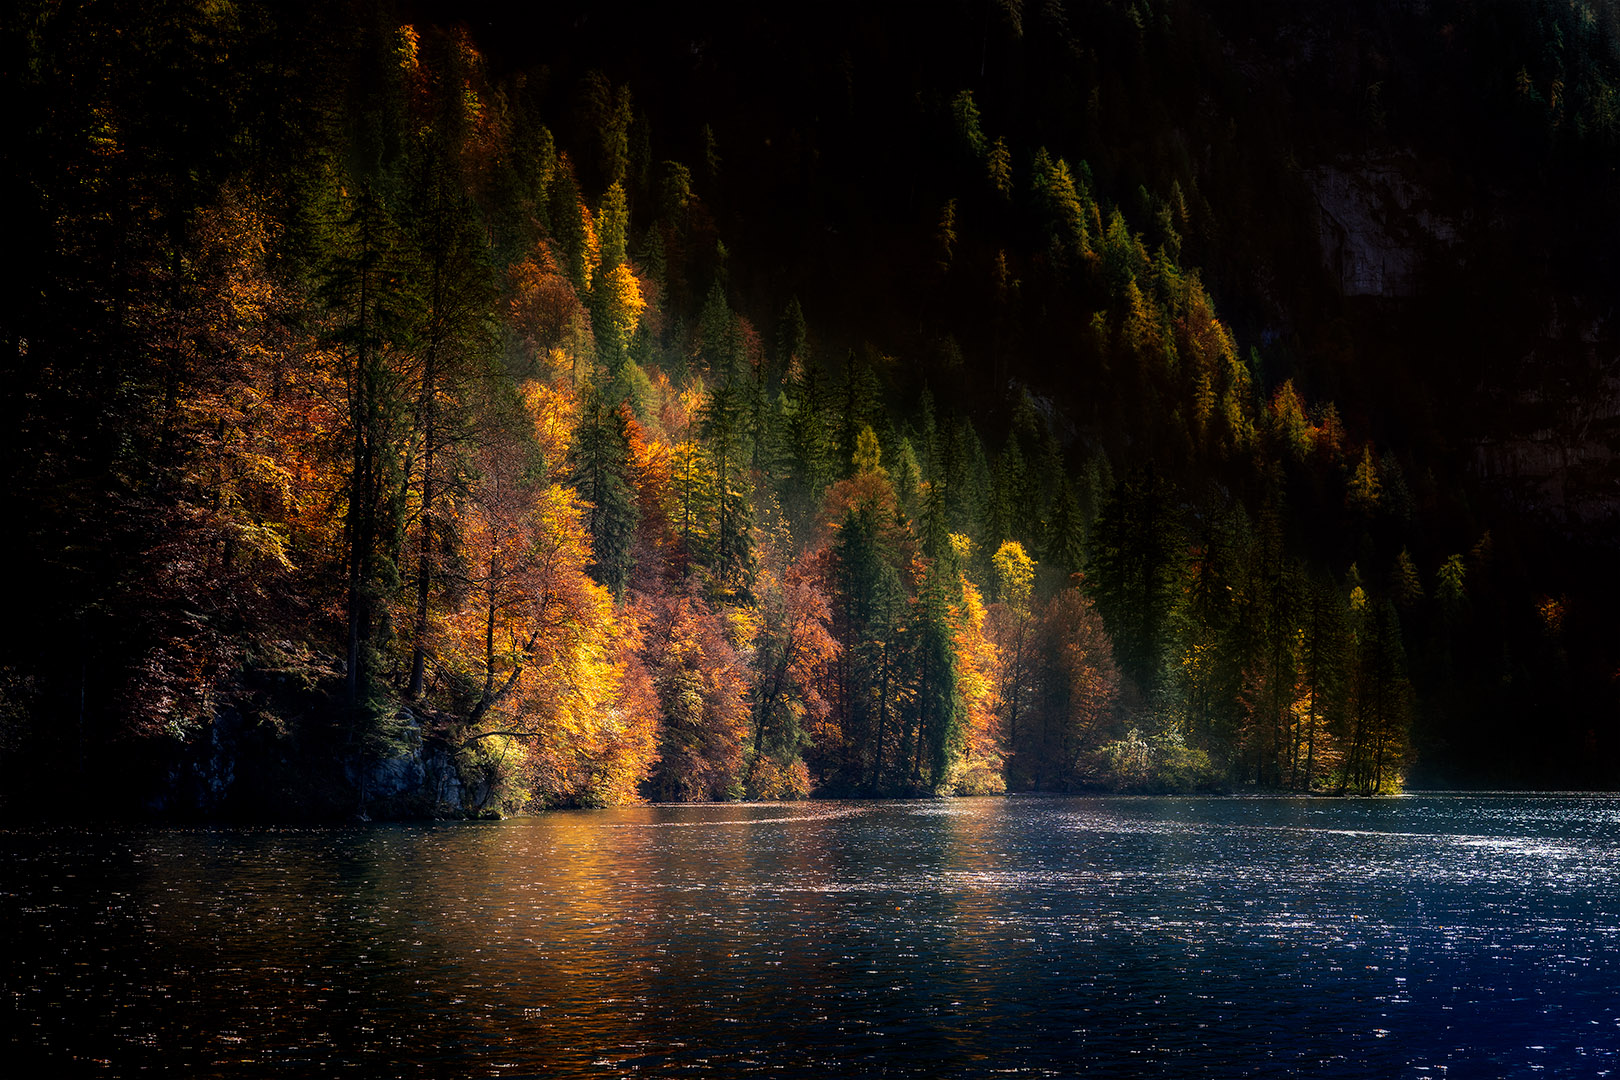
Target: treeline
<point>365,408</point>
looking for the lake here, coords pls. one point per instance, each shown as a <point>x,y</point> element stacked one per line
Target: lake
<point>1430,936</point>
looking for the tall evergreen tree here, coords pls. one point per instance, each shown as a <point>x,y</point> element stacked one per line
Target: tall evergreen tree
<point>600,470</point>
<point>1134,574</point>
<point>455,336</point>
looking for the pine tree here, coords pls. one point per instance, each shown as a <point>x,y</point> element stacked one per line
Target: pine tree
<point>1323,656</point>
<point>861,406</point>
<point>868,599</point>
<point>907,480</point>
<point>363,254</point>
<point>1134,574</point>
<point>718,344</point>
<point>792,338</point>
<point>599,469</point>
<point>940,731</point>
<point>1064,546</point>
<point>999,166</point>
<point>809,464</point>
<point>573,227</point>
<point>455,337</point>
<point>724,424</point>
<point>613,228</point>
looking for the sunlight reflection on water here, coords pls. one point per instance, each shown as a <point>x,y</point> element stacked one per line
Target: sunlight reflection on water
<point>1051,937</point>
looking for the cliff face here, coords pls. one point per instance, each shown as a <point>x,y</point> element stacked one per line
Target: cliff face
<point>1562,459</point>
<point>1538,409</point>
<point>1378,225</point>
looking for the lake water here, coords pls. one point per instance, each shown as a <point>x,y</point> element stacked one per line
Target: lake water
<point>1426,937</point>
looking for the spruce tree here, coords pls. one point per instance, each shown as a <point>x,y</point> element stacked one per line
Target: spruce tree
<point>599,469</point>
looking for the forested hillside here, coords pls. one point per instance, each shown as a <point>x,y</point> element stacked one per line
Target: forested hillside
<point>419,410</point>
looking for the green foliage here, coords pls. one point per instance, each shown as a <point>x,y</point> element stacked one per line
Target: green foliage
<point>1163,763</point>
<point>793,339</point>
<point>614,227</point>
<point>1405,584</point>
<point>1135,574</point>
<point>907,476</point>
<point>724,428</point>
<point>965,114</point>
<point>718,344</point>
<point>868,454</point>
<point>1064,545</point>
<point>1071,217</point>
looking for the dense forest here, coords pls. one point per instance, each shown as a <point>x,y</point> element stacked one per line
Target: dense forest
<point>435,410</point>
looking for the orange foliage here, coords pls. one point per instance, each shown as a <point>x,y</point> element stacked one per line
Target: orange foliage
<point>793,652</point>
<point>255,402</point>
<point>1081,683</point>
<point>543,307</point>
<point>546,657</point>
<point>863,491</point>
<point>701,679</point>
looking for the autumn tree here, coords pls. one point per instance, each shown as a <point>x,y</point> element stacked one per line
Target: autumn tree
<point>536,654</point>
<point>1077,686</point>
<point>1011,625</point>
<point>792,655</point>
<point>699,671</point>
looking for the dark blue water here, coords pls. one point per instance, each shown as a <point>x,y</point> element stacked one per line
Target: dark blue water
<point>1422,937</point>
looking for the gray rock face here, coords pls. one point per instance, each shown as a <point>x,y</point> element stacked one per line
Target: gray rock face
<point>1547,435</point>
<point>414,781</point>
<point>1565,462</point>
<point>1376,225</point>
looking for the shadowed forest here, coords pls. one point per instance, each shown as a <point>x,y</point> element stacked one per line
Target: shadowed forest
<point>427,409</point>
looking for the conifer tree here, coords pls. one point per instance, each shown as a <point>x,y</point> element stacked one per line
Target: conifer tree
<point>1322,659</point>
<point>1063,548</point>
<point>455,337</point>
<point>939,727</point>
<point>362,252</point>
<point>725,438</point>
<point>1134,573</point>
<point>810,463</point>
<point>599,469</point>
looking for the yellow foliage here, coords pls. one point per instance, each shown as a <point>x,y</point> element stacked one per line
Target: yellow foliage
<point>620,296</point>
<point>742,624</point>
<point>554,410</point>
<point>1015,573</point>
<point>868,454</point>
<point>407,48</point>
<point>772,781</point>
<point>979,771</point>
<point>1293,430</point>
<point>1365,488</point>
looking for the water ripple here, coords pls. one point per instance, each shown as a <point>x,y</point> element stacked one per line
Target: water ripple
<point>1434,936</point>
